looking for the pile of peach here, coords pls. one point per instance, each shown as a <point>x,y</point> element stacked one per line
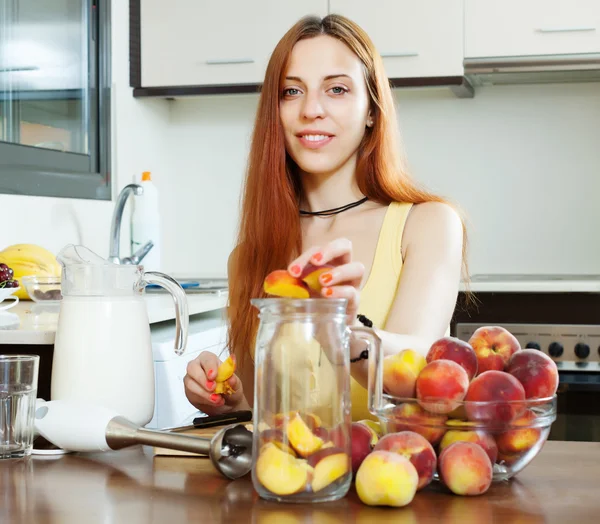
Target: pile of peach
<point>297,454</point>
<point>463,408</point>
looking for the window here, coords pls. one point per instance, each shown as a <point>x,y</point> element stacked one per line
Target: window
<point>54,98</point>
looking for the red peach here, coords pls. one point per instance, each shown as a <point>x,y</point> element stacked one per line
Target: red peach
<point>519,440</point>
<point>465,468</point>
<point>502,394</point>
<point>415,448</point>
<point>493,345</point>
<point>281,284</point>
<point>536,371</point>
<point>412,417</point>
<point>441,386</point>
<point>457,350</point>
<point>363,441</point>
<point>481,438</point>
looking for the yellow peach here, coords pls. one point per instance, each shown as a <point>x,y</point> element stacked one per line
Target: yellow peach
<point>400,372</point>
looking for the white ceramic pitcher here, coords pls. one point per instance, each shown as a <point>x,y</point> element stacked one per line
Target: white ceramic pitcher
<point>103,351</point>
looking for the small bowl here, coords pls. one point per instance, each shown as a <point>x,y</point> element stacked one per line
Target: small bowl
<point>512,431</point>
<point>45,290</point>
<point>6,292</point>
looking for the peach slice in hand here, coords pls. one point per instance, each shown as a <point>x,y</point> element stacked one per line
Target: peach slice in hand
<point>301,437</point>
<point>280,472</point>
<point>310,276</point>
<point>224,373</point>
<point>281,284</point>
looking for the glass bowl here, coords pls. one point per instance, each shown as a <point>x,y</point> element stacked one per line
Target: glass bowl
<point>512,432</point>
<point>45,290</point>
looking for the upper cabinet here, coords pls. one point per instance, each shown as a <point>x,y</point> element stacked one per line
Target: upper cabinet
<point>415,39</point>
<point>532,27</point>
<point>201,43</point>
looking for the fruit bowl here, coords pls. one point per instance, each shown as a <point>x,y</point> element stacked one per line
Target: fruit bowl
<point>45,290</point>
<point>511,432</point>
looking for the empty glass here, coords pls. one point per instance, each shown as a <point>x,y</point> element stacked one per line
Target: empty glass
<point>18,390</point>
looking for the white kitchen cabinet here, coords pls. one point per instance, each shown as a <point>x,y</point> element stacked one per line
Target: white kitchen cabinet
<point>415,39</point>
<point>201,42</point>
<point>531,27</point>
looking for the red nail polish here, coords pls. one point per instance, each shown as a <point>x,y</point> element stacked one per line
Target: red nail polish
<point>215,398</point>
<point>318,257</point>
<point>328,292</point>
<point>326,278</point>
<point>209,373</point>
<point>295,270</point>
<point>209,384</point>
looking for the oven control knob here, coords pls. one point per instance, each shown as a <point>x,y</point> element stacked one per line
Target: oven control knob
<point>533,345</point>
<point>555,349</point>
<point>582,350</point>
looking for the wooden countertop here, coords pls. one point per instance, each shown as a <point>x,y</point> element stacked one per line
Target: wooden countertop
<point>561,485</point>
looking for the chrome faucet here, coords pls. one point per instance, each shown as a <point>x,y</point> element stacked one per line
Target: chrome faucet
<point>115,229</point>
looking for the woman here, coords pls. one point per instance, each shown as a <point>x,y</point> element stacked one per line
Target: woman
<point>325,138</point>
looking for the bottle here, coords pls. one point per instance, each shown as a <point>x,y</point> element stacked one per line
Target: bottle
<point>145,223</point>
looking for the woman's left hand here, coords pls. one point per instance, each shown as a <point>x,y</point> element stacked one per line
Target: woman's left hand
<point>342,280</point>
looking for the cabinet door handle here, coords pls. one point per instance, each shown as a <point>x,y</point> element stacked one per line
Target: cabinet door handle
<point>401,54</point>
<point>230,61</point>
<point>565,29</point>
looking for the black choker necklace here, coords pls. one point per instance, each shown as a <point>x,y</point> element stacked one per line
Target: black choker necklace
<point>335,210</point>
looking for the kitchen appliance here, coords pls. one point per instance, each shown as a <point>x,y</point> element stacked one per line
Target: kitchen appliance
<point>103,349</point>
<point>77,426</point>
<point>302,380</point>
<point>563,324</point>
<point>206,332</point>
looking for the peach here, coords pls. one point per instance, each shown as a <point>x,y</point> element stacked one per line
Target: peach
<point>375,426</point>
<point>465,468</point>
<point>276,436</point>
<point>363,441</point>
<point>502,393</point>
<point>302,439</point>
<point>536,371</point>
<point>441,386</point>
<point>386,479</point>
<point>519,440</point>
<point>400,372</point>
<point>457,350</point>
<point>329,465</point>
<point>280,472</point>
<point>415,448</point>
<point>481,438</point>
<point>310,276</point>
<point>494,346</point>
<point>224,372</point>
<point>412,417</point>
<point>281,284</point>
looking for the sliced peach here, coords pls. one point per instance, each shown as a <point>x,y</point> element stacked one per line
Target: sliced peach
<point>226,369</point>
<point>302,439</point>
<point>276,436</point>
<point>310,276</point>
<point>280,472</point>
<point>375,426</point>
<point>281,284</point>
<point>329,465</point>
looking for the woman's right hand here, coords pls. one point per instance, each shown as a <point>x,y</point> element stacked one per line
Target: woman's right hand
<point>199,384</point>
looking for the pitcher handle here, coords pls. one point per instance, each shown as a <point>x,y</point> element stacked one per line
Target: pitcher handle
<point>182,318</point>
<point>375,374</point>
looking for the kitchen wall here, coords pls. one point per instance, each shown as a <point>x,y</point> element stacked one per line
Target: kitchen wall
<point>522,161</point>
<point>139,135</point>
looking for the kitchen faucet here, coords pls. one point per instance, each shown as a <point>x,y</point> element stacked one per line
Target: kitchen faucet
<point>115,229</point>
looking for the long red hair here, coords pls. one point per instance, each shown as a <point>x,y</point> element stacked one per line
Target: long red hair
<point>269,231</point>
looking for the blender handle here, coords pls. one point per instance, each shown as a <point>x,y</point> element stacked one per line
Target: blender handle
<point>375,374</point>
<point>182,318</point>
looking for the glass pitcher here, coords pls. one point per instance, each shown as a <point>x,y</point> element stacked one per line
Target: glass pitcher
<point>301,446</point>
<point>103,351</point>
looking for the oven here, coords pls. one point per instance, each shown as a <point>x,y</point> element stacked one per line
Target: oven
<point>565,326</point>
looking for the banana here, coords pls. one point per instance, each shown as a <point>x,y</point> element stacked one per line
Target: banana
<point>29,259</point>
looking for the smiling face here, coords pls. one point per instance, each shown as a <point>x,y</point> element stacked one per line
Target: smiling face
<point>324,105</point>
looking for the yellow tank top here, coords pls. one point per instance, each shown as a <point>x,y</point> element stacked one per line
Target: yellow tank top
<point>379,291</point>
